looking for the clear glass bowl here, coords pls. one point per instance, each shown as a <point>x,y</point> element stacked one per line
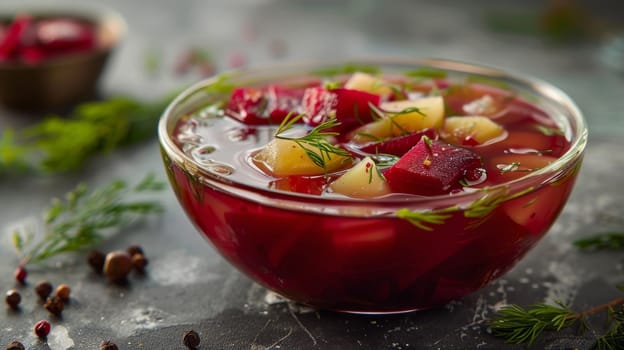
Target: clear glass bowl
<point>365,256</point>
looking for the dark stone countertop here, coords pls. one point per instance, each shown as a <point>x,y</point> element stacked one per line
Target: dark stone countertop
<point>188,286</point>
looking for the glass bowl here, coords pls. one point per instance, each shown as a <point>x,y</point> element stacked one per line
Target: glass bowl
<point>382,255</point>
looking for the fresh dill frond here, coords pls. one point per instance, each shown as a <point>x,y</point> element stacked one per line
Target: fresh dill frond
<point>315,143</point>
<point>64,143</point>
<point>83,217</point>
<point>605,240</point>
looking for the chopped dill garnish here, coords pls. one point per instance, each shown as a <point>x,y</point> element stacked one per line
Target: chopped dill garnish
<point>318,149</point>
<point>83,217</point>
<point>426,73</point>
<point>505,168</point>
<point>332,84</point>
<point>349,68</point>
<point>548,131</point>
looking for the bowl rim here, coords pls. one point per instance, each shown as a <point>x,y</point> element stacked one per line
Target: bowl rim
<point>97,13</point>
<point>540,88</point>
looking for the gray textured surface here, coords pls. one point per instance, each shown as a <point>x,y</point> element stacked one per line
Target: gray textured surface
<point>189,286</point>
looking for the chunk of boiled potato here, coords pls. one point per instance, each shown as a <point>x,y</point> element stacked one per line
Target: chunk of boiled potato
<point>285,157</point>
<point>463,130</point>
<point>361,181</point>
<point>368,83</point>
<point>403,117</point>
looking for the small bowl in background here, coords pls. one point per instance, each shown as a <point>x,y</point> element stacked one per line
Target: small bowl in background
<point>60,80</point>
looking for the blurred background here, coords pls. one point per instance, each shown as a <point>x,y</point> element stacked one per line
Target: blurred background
<point>578,45</point>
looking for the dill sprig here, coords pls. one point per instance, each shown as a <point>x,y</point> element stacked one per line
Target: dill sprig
<point>424,219</point>
<point>518,325</point>
<point>523,326</point>
<point>430,73</point>
<point>478,209</point>
<point>345,69</point>
<point>547,131</point>
<point>64,143</point>
<point>378,113</point>
<point>315,143</point>
<point>82,218</point>
<point>605,240</point>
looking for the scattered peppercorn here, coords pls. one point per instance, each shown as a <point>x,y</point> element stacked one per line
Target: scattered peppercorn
<point>63,291</point>
<point>191,339</point>
<point>43,289</point>
<point>117,266</point>
<point>15,345</point>
<point>134,249</point>
<point>54,305</point>
<point>13,298</point>
<point>95,258</point>
<point>20,274</point>
<point>139,261</point>
<point>42,329</point>
<point>108,345</point>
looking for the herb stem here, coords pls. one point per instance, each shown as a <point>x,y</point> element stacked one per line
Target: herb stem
<point>599,308</point>
<point>84,218</point>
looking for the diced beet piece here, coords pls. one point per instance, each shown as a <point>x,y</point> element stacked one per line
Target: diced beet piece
<point>317,105</point>
<point>281,101</point>
<point>247,105</point>
<point>263,106</point>
<point>399,145</point>
<point>64,35</point>
<point>351,107</point>
<point>13,35</point>
<point>431,168</point>
<point>301,184</point>
<point>32,54</point>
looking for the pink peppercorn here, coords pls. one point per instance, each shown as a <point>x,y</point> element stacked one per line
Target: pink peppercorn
<point>42,329</point>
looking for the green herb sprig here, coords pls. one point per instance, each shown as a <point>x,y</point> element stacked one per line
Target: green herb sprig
<point>381,114</point>
<point>424,219</point>
<point>316,139</point>
<point>478,209</point>
<point>348,68</point>
<point>60,144</point>
<point>605,240</point>
<point>518,325</point>
<point>83,217</point>
<point>427,73</point>
<point>547,131</point>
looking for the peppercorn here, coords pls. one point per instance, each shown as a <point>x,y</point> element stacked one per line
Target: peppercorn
<point>15,345</point>
<point>63,291</point>
<point>54,305</point>
<point>13,298</point>
<point>108,345</point>
<point>134,249</point>
<point>42,329</point>
<point>117,266</point>
<point>20,274</point>
<point>191,339</point>
<point>139,261</point>
<point>43,289</point>
<point>96,259</point>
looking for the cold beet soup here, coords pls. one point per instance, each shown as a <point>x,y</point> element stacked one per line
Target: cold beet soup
<point>403,171</point>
